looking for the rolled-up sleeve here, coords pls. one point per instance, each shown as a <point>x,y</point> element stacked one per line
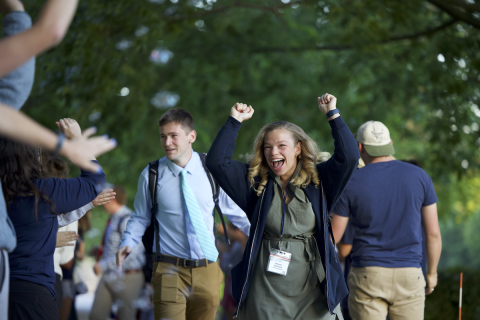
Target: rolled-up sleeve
<point>16,86</point>
<point>72,216</point>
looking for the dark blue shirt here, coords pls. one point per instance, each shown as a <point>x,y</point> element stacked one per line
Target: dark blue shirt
<point>32,259</point>
<point>384,201</point>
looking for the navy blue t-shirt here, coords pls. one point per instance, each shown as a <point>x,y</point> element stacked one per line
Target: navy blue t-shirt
<point>383,201</point>
<point>32,259</point>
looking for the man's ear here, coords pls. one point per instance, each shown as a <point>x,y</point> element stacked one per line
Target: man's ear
<point>192,136</point>
<point>361,148</point>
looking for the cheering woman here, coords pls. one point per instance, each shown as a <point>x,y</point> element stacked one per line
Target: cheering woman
<point>289,269</point>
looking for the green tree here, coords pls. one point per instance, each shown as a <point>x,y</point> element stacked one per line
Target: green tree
<point>413,65</point>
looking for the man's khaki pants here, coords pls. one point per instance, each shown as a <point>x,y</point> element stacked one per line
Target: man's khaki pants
<point>122,290</point>
<point>181,293</point>
<point>376,292</point>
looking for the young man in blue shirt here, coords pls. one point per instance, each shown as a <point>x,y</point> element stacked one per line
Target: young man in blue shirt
<point>387,202</point>
<point>186,280</point>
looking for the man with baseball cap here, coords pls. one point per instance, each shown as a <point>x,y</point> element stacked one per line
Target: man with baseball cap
<point>388,202</point>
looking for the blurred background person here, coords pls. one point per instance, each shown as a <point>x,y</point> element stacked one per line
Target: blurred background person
<point>230,256</point>
<point>123,289</point>
<point>70,287</point>
<point>63,256</point>
<point>20,44</point>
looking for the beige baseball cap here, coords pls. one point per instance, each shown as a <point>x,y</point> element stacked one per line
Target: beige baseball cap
<point>375,137</point>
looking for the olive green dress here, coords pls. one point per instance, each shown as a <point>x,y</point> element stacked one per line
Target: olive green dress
<point>298,295</point>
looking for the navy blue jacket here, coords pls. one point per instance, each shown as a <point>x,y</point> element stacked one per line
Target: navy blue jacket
<point>334,175</point>
<point>32,259</point>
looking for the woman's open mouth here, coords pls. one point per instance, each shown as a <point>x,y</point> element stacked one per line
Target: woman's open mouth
<point>278,164</point>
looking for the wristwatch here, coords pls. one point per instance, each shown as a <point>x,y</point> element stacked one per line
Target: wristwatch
<point>332,112</point>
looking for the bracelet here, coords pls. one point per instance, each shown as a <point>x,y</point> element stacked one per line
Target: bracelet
<point>332,112</point>
<point>61,138</point>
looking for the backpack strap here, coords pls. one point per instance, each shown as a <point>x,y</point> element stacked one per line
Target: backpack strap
<point>216,192</point>
<point>152,187</point>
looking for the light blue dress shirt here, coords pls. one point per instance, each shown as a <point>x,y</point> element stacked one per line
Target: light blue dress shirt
<point>177,236</point>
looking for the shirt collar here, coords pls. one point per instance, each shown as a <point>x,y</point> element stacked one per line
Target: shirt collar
<point>294,175</point>
<point>190,167</point>
<point>298,192</point>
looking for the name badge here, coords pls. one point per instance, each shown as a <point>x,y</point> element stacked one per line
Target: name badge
<point>278,261</point>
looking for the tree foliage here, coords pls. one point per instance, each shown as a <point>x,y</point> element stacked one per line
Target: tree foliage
<point>413,65</point>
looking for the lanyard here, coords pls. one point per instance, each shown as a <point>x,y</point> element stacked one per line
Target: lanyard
<point>283,219</point>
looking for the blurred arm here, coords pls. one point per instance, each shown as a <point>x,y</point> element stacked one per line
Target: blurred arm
<point>48,31</point>
<point>16,86</point>
<point>17,126</point>
<point>344,250</point>
<point>73,216</point>
<point>339,224</point>
<point>134,261</point>
<point>68,253</point>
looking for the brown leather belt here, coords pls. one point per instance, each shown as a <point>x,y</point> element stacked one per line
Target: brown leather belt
<point>187,263</point>
<point>133,271</point>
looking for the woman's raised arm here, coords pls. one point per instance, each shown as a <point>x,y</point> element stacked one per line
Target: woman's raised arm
<point>337,171</point>
<point>231,175</point>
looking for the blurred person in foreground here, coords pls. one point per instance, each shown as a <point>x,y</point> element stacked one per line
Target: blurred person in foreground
<point>37,205</point>
<point>20,44</point>
<point>186,277</point>
<point>387,203</point>
<point>71,288</point>
<point>123,289</point>
<point>230,256</point>
<point>63,258</point>
<point>290,269</point>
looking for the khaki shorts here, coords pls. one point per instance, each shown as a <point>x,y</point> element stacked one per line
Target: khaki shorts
<point>376,292</point>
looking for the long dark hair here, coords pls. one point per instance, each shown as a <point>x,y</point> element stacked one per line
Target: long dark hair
<point>20,166</point>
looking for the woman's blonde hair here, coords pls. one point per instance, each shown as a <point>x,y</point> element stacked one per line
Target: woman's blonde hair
<point>310,157</point>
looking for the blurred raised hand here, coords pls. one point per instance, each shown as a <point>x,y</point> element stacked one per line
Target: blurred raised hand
<point>65,238</point>
<point>106,196</point>
<point>81,149</point>
<point>70,128</point>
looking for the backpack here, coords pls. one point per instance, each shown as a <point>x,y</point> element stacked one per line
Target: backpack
<point>151,234</point>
